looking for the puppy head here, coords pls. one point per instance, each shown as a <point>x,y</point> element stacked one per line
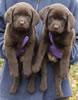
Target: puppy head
<point>22,15</point>
<point>57,18</point>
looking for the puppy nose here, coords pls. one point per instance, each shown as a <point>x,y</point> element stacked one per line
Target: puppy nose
<point>21,22</point>
<point>56,26</point>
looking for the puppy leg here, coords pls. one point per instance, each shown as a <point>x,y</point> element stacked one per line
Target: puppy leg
<point>40,56</point>
<point>31,84</point>
<point>17,80</point>
<point>27,60</point>
<point>64,63</point>
<point>15,85</point>
<point>12,61</point>
<point>58,86</point>
<point>58,81</point>
<point>43,85</point>
<point>64,69</point>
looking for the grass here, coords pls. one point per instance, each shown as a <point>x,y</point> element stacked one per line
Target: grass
<point>73,79</point>
<point>1,61</point>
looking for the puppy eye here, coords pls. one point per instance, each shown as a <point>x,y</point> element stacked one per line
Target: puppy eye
<point>26,14</point>
<point>64,19</point>
<point>50,17</point>
<point>17,14</point>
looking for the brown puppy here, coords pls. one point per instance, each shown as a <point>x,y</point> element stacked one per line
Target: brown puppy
<point>21,18</point>
<point>58,21</point>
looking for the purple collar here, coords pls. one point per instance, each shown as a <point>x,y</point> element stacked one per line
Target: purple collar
<point>21,50</point>
<point>53,49</point>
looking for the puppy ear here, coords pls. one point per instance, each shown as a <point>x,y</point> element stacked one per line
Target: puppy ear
<point>36,18</point>
<point>70,22</point>
<point>8,15</point>
<point>44,13</point>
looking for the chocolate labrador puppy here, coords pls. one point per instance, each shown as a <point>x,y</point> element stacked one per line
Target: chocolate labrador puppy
<point>58,37</point>
<point>20,40</point>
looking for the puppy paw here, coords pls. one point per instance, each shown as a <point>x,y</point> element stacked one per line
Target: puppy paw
<point>27,72</point>
<point>35,68</point>
<point>43,86</point>
<point>13,91</point>
<point>31,88</point>
<point>59,93</point>
<point>14,74</point>
<point>15,85</point>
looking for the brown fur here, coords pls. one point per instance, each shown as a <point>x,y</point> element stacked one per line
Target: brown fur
<point>21,19</point>
<point>60,22</point>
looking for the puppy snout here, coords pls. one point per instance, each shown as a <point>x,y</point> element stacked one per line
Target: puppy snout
<point>56,26</point>
<point>21,22</point>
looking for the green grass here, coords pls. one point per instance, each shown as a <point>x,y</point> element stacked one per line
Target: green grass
<point>73,79</point>
<point>1,62</point>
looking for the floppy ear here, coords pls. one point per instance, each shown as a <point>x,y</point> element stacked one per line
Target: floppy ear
<point>70,22</point>
<point>36,18</point>
<point>44,13</point>
<point>8,15</point>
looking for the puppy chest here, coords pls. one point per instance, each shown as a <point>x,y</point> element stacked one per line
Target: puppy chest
<point>19,44</point>
<point>60,41</point>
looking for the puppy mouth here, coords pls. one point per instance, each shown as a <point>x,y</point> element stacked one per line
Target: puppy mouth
<point>56,31</point>
<point>57,34</point>
<point>21,28</point>
<point>21,31</point>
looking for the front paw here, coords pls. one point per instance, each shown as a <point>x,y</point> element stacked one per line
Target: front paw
<point>59,92</point>
<point>35,68</point>
<point>15,86</point>
<point>13,91</point>
<point>27,70</point>
<point>31,87</point>
<point>14,74</point>
<point>14,70</point>
<point>43,85</point>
